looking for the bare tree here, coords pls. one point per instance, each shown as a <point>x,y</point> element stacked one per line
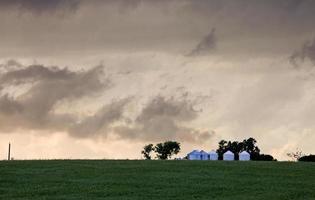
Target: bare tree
<point>295,155</point>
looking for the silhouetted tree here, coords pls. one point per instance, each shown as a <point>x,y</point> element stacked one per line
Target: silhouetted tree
<point>167,149</point>
<point>147,149</point>
<point>221,149</point>
<point>236,147</point>
<point>296,155</point>
<point>250,146</point>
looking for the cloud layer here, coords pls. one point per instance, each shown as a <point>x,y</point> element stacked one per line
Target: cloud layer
<point>35,108</point>
<point>169,26</point>
<point>254,58</point>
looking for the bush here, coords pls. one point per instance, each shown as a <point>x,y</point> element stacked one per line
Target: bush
<point>262,157</point>
<point>310,158</point>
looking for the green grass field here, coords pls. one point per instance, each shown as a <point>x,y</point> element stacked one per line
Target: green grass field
<point>106,179</point>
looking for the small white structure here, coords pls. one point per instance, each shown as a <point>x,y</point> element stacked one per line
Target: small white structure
<point>204,155</point>
<point>228,156</point>
<point>194,155</point>
<point>244,156</point>
<point>213,155</point>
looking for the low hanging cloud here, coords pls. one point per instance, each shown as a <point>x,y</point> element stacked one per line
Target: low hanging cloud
<point>34,107</point>
<point>100,123</point>
<point>165,119</point>
<point>9,65</point>
<point>306,52</point>
<point>206,45</point>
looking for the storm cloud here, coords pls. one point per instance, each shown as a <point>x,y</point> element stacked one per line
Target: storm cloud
<point>240,53</point>
<point>168,24</point>
<point>206,45</point>
<point>306,53</point>
<point>33,107</point>
<point>165,118</point>
<point>101,122</point>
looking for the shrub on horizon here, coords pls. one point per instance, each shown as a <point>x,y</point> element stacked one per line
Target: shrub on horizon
<point>309,158</point>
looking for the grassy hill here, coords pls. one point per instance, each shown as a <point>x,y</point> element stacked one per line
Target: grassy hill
<point>107,179</point>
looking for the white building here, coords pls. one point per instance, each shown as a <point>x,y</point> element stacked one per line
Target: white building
<point>194,155</point>
<point>204,155</point>
<point>244,156</point>
<point>228,156</point>
<point>213,155</point>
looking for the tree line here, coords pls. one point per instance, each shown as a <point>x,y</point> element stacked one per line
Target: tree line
<point>166,150</point>
<point>300,156</point>
<point>249,145</point>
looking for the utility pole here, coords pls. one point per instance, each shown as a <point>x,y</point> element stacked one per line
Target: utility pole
<point>9,152</point>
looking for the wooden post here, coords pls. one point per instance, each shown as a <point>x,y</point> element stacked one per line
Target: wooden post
<point>9,152</point>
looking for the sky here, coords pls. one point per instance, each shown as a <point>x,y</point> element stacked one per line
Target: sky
<point>100,79</point>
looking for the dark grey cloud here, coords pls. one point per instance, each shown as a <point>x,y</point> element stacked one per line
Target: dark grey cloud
<point>10,64</point>
<point>288,5</point>
<point>34,73</point>
<point>100,123</point>
<point>306,52</point>
<point>165,118</point>
<point>9,106</point>
<point>34,108</point>
<point>206,45</point>
<point>170,26</point>
<point>41,6</point>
